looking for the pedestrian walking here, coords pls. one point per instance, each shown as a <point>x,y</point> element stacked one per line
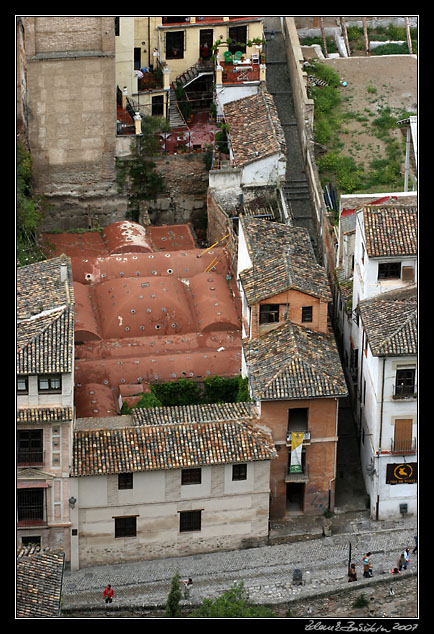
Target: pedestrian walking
<point>401,562</point>
<point>415,548</point>
<point>406,554</point>
<point>352,573</point>
<point>367,566</point>
<point>187,587</point>
<point>108,594</point>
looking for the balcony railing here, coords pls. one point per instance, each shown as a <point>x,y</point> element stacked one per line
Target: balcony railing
<point>30,457</point>
<point>404,392</point>
<point>298,477</point>
<point>306,437</point>
<point>238,73</point>
<point>404,446</point>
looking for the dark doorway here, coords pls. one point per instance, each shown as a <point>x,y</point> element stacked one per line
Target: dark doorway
<point>295,497</point>
<point>205,43</point>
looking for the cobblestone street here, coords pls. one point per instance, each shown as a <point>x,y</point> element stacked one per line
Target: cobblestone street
<point>267,572</point>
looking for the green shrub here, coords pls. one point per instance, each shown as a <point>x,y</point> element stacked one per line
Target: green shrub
<point>232,604</point>
<point>182,392</point>
<point>173,609</point>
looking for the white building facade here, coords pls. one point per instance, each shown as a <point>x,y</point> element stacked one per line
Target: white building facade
<point>384,355</point>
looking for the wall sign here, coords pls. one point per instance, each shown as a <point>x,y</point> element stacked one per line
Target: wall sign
<point>402,473</point>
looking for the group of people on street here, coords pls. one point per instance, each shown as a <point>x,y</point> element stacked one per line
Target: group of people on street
<point>402,563</point>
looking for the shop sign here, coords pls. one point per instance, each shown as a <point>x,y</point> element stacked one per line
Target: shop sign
<point>402,473</point>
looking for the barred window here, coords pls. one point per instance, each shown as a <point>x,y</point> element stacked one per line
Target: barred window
<point>239,472</point>
<point>191,476</point>
<point>190,521</point>
<point>126,526</point>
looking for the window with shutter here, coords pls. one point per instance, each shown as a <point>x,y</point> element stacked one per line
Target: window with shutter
<point>403,435</point>
<point>407,274</point>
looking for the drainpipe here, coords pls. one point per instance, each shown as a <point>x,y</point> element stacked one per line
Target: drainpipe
<point>380,438</point>
<point>407,159</point>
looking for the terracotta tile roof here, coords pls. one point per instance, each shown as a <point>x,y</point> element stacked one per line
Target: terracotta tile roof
<point>390,230</point>
<point>254,128</point>
<point>44,414</point>
<point>39,287</point>
<point>204,413</point>
<point>45,334</point>
<point>45,345</point>
<point>39,576</point>
<point>169,446</point>
<point>274,271</point>
<point>293,362</point>
<point>390,322</point>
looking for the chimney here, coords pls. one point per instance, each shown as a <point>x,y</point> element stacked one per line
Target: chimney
<point>63,268</point>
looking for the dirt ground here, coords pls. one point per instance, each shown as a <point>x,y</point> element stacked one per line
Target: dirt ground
<point>374,83</point>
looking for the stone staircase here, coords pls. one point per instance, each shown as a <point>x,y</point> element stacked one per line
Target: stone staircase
<point>175,118</point>
<point>186,78</point>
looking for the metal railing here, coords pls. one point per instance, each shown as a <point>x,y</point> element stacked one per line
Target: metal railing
<point>404,446</point>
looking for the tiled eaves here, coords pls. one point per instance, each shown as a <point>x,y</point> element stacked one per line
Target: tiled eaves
<point>39,575</point>
<point>39,287</point>
<point>390,231</point>
<point>45,330</point>
<point>48,349</point>
<point>390,322</point>
<point>283,259</point>
<point>293,362</point>
<point>170,446</point>
<point>44,414</point>
<point>255,130</point>
<point>203,413</point>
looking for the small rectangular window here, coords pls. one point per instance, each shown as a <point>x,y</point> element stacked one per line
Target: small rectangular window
<point>125,481</point>
<point>389,270</point>
<point>268,313</point>
<point>191,476</point>
<point>175,45</point>
<point>190,521</point>
<point>239,472</point>
<point>50,383</point>
<point>22,385</point>
<point>306,313</point>
<point>126,526</point>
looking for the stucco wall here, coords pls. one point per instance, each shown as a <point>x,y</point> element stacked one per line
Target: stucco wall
<point>234,514</point>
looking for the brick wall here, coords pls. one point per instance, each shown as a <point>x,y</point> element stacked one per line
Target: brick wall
<point>296,300</point>
<point>320,454</point>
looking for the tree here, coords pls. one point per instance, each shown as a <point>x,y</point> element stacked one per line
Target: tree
<point>173,609</point>
<point>235,604</point>
<point>30,210</point>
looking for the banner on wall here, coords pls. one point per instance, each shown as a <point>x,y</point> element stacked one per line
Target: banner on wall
<point>296,447</point>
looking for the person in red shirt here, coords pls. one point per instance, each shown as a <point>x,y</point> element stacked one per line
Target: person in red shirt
<point>108,594</point>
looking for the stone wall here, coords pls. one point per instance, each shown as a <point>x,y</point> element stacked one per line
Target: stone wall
<point>71,100</point>
<point>184,199</point>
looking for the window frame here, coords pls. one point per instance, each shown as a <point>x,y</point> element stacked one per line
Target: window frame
<point>125,481</point>
<point>239,472</point>
<point>122,529</point>
<point>50,378</point>
<point>306,311</point>
<point>176,45</point>
<point>267,310</point>
<point>405,386</point>
<point>191,476</point>
<point>389,270</point>
<point>26,385</point>
<point>35,446</point>
<point>190,521</point>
